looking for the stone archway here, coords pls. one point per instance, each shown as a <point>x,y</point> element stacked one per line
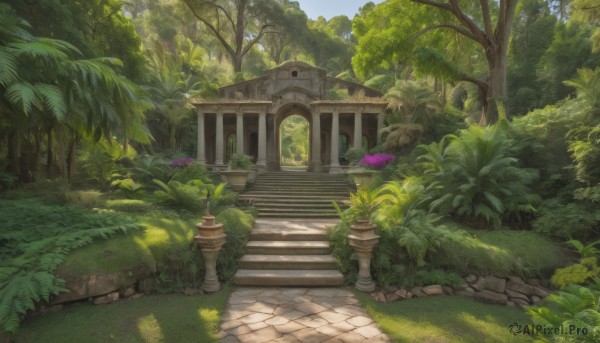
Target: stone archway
<point>283,113</point>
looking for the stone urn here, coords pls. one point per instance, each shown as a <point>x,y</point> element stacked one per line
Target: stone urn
<point>210,239</point>
<point>363,239</point>
<point>236,178</point>
<point>362,177</point>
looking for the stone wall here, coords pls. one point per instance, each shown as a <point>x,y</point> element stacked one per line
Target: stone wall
<point>511,291</point>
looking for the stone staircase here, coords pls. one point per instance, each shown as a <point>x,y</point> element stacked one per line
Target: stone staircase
<point>288,252</point>
<point>297,194</point>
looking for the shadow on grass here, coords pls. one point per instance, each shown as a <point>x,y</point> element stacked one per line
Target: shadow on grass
<point>445,319</point>
<point>156,318</point>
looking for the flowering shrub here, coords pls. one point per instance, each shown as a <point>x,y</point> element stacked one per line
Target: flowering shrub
<point>377,161</point>
<point>181,162</point>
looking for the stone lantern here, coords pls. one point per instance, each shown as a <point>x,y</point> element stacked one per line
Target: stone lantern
<point>210,239</point>
<point>363,239</point>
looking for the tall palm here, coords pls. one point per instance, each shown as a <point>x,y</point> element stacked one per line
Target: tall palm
<point>45,90</point>
<point>174,84</point>
<point>414,106</point>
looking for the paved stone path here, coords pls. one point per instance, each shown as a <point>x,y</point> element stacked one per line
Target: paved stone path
<point>331,315</point>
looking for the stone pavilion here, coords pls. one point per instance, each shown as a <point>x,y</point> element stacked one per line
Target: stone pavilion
<point>247,116</point>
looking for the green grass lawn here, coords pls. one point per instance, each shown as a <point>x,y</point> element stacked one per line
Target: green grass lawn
<point>149,319</point>
<point>445,319</point>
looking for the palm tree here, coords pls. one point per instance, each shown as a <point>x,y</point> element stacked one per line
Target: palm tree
<point>176,79</point>
<point>46,91</point>
<point>414,106</point>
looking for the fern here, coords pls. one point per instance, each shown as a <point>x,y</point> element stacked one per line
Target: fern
<point>36,244</point>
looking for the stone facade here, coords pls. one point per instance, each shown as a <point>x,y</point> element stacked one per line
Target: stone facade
<point>252,111</point>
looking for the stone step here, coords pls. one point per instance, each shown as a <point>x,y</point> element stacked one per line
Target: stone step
<point>306,193</point>
<point>326,205</point>
<point>307,234</point>
<point>287,248</point>
<point>297,216</point>
<point>283,200</point>
<point>288,262</point>
<point>317,278</point>
<point>292,197</point>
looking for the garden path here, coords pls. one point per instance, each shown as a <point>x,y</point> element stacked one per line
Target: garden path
<point>261,315</point>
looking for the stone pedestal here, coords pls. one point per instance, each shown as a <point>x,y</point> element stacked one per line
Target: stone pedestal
<point>210,239</point>
<point>363,239</point>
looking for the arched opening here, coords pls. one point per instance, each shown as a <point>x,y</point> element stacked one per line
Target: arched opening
<point>294,141</point>
<point>344,145</point>
<point>231,146</point>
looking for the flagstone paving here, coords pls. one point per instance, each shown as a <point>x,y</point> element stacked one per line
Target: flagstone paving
<point>331,315</point>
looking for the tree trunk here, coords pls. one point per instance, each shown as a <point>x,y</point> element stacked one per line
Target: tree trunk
<point>14,154</point>
<point>71,157</point>
<point>50,156</point>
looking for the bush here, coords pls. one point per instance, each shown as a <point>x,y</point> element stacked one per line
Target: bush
<point>243,162</point>
<point>574,305</point>
<point>129,205</point>
<point>475,176</point>
<point>194,171</point>
<point>189,197</point>
<point>561,220</point>
<point>237,225</point>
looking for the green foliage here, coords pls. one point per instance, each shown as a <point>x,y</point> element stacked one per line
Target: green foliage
<point>436,277</point>
<point>353,155</point>
<point>474,175</point>
<point>579,273</point>
<point>129,187</point>
<point>98,160</point>
<point>345,257</point>
<point>148,167</point>
<point>361,205</point>
<point>237,226</point>
<point>129,206</point>
<point>574,305</point>
<point>420,234</point>
<point>174,193</point>
<point>560,219</point>
<point>195,171</point>
<point>34,246</point>
<point>294,141</point>
<point>243,162</point>
<point>7,180</point>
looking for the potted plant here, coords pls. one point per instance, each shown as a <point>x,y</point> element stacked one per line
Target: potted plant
<point>237,172</point>
<point>368,166</point>
<point>362,237</point>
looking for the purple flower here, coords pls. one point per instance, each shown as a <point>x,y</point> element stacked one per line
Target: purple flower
<point>377,161</point>
<point>181,162</point>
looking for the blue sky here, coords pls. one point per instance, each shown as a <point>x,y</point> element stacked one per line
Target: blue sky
<point>331,8</point>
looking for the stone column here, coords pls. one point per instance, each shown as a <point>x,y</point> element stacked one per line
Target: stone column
<point>262,140</point>
<point>334,166</point>
<point>380,118</point>
<point>316,143</point>
<point>219,140</point>
<point>201,139</point>
<point>357,130</point>
<point>239,134</point>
